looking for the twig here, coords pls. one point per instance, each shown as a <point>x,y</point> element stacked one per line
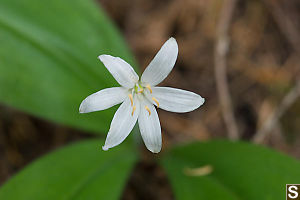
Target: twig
<point>285,24</point>
<point>292,35</point>
<point>221,49</point>
<point>271,122</point>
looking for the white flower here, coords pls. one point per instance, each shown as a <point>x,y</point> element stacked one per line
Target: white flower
<point>139,97</point>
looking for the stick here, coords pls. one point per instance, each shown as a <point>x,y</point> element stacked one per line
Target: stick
<point>285,24</point>
<point>221,49</point>
<point>271,122</point>
<point>292,35</point>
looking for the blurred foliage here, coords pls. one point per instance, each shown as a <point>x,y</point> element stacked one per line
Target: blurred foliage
<point>239,171</point>
<point>79,171</point>
<point>49,59</point>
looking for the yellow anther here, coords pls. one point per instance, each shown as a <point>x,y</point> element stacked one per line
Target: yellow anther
<point>147,108</point>
<point>154,99</point>
<point>141,91</point>
<point>133,109</point>
<point>149,88</point>
<point>131,99</point>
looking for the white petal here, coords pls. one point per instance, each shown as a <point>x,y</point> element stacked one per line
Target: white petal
<point>121,70</point>
<point>162,64</point>
<point>150,128</point>
<point>122,124</point>
<point>175,100</point>
<point>103,99</point>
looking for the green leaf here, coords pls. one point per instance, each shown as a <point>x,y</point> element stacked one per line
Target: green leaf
<point>239,171</point>
<point>48,58</point>
<point>78,171</point>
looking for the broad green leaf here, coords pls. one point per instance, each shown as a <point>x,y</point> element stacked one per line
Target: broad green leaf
<point>78,171</point>
<point>239,171</point>
<point>48,58</point>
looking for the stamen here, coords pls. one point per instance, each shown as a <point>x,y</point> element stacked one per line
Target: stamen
<point>157,103</point>
<point>131,99</point>
<point>141,91</point>
<point>133,109</point>
<point>149,88</point>
<point>147,108</point>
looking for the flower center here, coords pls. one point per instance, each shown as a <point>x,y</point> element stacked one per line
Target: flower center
<point>139,89</point>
